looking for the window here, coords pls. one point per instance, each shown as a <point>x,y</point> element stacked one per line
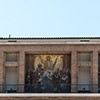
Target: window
<point>84,57</point>
<point>11,57</point>
<point>11,78</point>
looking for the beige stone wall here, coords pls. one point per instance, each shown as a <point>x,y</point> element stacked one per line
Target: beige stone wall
<point>51,49</point>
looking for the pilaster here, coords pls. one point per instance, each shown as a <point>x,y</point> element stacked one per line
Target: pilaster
<point>73,71</point>
<point>21,71</point>
<point>95,71</point>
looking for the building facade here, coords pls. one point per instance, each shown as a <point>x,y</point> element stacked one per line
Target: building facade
<point>50,64</point>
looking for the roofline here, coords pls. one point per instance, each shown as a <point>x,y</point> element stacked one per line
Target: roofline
<point>4,38</point>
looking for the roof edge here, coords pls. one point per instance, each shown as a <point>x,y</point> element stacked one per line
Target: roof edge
<point>50,38</point>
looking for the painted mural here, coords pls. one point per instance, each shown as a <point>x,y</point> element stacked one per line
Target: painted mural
<point>48,74</point>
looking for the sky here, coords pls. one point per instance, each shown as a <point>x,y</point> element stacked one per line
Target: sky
<point>50,18</point>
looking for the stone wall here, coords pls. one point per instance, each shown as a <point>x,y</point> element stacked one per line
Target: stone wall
<point>50,49</point>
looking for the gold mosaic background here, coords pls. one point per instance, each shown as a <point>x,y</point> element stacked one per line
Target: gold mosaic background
<point>48,61</point>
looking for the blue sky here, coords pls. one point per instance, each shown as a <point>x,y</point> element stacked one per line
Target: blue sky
<point>50,18</point>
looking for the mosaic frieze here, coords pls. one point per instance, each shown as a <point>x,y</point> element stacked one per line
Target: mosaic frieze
<point>48,73</point>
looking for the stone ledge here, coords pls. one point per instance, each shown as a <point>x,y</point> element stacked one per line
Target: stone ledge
<point>49,94</point>
<point>17,96</point>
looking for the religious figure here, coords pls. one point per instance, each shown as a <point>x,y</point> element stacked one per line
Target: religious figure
<point>48,63</point>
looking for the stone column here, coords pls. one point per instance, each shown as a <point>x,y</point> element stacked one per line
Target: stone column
<point>2,78</point>
<point>21,71</point>
<point>73,71</point>
<point>95,71</point>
